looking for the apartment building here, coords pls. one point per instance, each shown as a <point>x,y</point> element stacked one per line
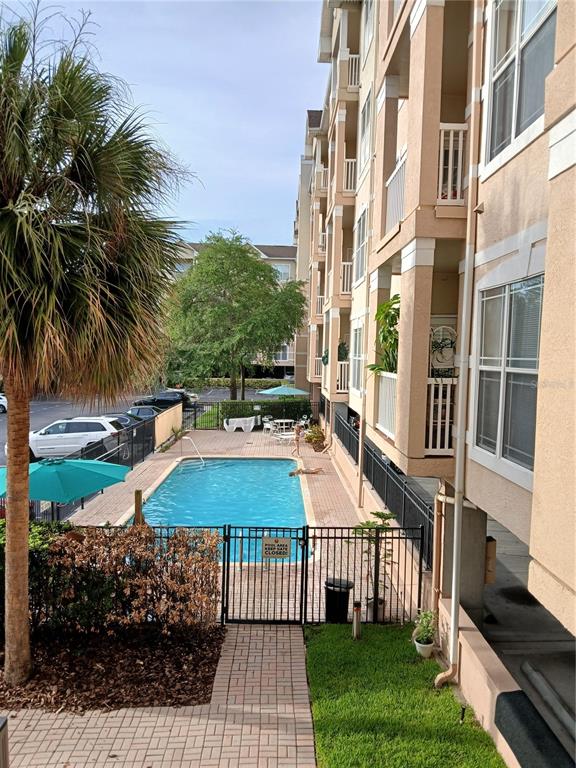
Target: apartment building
<point>291,360</point>
<point>442,168</point>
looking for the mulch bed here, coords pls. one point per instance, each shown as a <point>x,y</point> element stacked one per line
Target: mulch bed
<point>139,669</point>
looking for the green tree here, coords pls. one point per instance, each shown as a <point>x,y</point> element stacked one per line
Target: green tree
<point>230,309</point>
<point>85,263</point>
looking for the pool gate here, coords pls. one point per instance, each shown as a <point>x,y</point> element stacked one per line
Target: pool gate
<point>312,574</point>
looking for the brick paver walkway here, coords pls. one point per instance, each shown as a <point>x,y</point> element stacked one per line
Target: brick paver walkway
<point>259,716</point>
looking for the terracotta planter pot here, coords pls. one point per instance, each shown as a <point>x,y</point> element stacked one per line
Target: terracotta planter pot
<point>424,649</point>
<point>318,447</point>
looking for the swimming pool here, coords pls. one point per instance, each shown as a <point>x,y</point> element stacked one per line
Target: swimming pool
<point>239,492</point>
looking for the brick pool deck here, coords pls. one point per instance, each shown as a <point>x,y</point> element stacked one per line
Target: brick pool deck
<point>330,501</point>
<point>259,714</point>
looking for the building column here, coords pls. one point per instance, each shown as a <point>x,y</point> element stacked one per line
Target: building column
<point>333,350</point>
<point>424,102</point>
<point>337,245</point>
<point>312,347</point>
<point>339,149</point>
<point>386,140</point>
<point>380,280</point>
<point>414,344</point>
<point>473,564</point>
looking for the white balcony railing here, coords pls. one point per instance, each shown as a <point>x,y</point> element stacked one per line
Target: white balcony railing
<point>395,195</point>
<point>387,404</point>
<point>353,70</point>
<point>318,366</point>
<point>322,241</point>
<point>346,277</point>
<point>319,304</point>
<point>452,163</point>
<point>350,175</point>
<point>323,177</point>
<point>440,416</point>
<point>342,376</point>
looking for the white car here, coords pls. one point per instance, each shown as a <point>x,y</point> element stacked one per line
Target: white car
<point>3,403</point>
<point>67,436</point>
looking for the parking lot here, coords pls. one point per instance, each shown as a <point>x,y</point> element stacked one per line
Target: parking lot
<point>43,412</point>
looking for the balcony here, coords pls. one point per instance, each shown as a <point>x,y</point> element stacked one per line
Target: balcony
<point>387,404</point>
<point>318,367</point>
<point>353,70</point>
<point>342,376</point>
<point>395,195</point>
<point>350,175</point>
<point>322,241</point>
<point>452,163</point>
<point>346,277</point>
<point>321,178</point>
<point>319,305</point>
<point>440,417</point>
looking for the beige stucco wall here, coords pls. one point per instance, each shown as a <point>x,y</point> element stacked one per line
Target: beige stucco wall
<point>165,422</point>
<point>553,536</point>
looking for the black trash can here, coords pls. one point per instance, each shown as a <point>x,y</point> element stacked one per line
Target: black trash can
<point>337,599</point>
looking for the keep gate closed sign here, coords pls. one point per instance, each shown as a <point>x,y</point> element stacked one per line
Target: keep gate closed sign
<point>273,548</point>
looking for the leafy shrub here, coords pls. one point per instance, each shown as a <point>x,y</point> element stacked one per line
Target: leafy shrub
<point>196,384</point>
<point>96,579</point>
<point>425,627</point>
<point>316,437</point>
<point>279,409</point>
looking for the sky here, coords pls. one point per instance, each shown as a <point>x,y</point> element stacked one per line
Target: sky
<point>227,86</point>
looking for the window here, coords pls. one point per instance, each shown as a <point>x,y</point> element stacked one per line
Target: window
<point>284,354</point>
<point>368,30</point>
<point>282,272</point>
<point>360,238</point>
<point>56,429</point>
<point>357,358</point>
<point>508,370</point>
<point>365,121</point>
<point>522,56</point>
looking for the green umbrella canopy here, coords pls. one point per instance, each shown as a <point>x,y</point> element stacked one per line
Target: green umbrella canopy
<point>283,390</point>
<point>65,480</point>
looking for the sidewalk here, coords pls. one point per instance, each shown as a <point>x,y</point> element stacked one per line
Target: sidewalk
<point>259,717</point>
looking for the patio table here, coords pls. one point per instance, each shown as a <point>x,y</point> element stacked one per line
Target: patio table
<point>284,425</point>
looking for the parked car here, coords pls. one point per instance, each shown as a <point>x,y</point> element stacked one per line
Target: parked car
<point>66,436</point>
<point>126,419</point>
<point>3,403</point>
<point>144,411</point>
<point>168,398</point>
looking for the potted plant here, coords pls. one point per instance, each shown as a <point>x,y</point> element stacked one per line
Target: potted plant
<point>387,318</point>
<point>367,530</point>
<point>342,351</point>
<point>424,633</point>
<point>324,357</point>
<point>315,436</point>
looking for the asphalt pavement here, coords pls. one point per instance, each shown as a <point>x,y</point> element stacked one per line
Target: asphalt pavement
<point>44,412</point>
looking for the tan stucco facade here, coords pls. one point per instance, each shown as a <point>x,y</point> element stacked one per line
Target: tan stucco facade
<point>427,69</point>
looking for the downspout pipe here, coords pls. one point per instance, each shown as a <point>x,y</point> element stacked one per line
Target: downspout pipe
<point>464,334</point>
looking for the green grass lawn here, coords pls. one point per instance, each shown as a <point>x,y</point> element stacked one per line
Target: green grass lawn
<point>374,705</point>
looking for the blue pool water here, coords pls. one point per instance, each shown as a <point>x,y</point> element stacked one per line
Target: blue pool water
<point>239,492</point>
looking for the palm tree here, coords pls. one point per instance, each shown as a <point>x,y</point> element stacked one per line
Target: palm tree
<point>85,261</point>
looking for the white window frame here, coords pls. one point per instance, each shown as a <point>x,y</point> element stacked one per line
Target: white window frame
<point>282,273</point>
<point>367,27</point>
<point>356,355</point>
<point>496,461</point>
<point>365,133</point>
<point>493,72</point>
<point>360,247</point>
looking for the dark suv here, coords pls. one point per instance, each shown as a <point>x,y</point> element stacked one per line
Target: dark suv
<point>167,399</point>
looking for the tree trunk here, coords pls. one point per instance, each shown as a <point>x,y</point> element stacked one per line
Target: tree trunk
<point>233,386</point>
<point>17,628</point>
<point>242,383</point>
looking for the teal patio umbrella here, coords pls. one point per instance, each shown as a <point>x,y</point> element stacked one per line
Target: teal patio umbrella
<point>283,390</point>
<point>65,480</point>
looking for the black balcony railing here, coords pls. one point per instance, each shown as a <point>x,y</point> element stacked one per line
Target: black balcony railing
<point>400,497</point>
<point>347,435</point>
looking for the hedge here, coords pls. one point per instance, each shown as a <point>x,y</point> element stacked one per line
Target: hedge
<point>95,579</point>
<point>291,408</point>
